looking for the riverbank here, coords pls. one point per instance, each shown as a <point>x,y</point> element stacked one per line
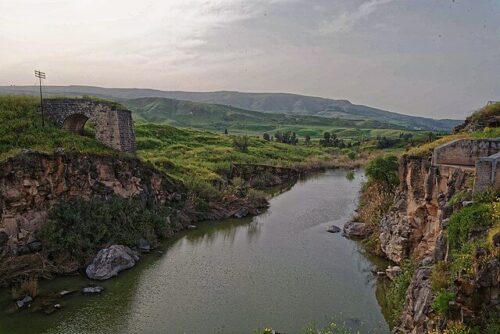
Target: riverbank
<point>280,269</point>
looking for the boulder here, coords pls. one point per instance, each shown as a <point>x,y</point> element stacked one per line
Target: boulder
<point>243,212</point>
<point>192,227</point>
<point>92,290</point>
<point>334,229</point>
<point>356,230</point>
<point>35,246</point>
<point>143,245</point>
<point>26,301</point>
<point>110,261</point>
<point>393,272</point>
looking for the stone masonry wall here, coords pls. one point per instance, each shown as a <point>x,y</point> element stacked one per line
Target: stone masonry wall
<point>113,125</point>
<point>487,173</point>
<point>464,152</point>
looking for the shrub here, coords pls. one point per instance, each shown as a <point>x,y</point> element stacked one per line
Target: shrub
<point>441,303</point>
<point>375,202</point>
<point>440,277</point>
<point>456,327</point>
<point>257,197</point>
<point>241,143</point>
<point>459,197</point>
<point>80,228</point>
<point>396,293</point>
<point>28,287</point>
<point>462,222</point>
<point>383,170</point>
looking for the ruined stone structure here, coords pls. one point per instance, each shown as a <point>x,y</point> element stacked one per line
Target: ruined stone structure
<point>113,124</point>
<point>481,156</point>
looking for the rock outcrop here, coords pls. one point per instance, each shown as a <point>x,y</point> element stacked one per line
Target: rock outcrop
<point>31,184</point>
<point>110,261</point>
<point>415,228</point>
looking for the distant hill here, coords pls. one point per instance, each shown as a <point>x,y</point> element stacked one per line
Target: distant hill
<point>216,117</point>
<point>263,102</point>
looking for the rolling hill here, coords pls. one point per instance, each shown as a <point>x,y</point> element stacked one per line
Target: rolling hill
<point>215,117</point>
<point>263,102</point>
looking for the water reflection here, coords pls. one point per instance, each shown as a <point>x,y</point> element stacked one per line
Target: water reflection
<point>279,269</point>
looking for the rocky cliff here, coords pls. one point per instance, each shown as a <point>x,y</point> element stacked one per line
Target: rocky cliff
<point>415,228</point>
<point>32,183</point>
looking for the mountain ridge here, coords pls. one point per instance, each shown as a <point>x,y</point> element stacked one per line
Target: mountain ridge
<point>287,103</point>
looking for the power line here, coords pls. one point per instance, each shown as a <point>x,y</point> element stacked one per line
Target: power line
<point>41,75</point>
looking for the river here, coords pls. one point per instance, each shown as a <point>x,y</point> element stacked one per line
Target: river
<point>280,269</point>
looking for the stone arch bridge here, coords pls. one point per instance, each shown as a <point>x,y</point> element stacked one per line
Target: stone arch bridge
<point>113,124</point>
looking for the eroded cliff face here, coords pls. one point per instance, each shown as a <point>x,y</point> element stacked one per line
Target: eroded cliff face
<point>31,184</point>
<point>414,228</point>
<point>414,224</point>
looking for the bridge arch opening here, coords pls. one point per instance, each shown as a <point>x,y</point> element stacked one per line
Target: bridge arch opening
<point>75,123</point>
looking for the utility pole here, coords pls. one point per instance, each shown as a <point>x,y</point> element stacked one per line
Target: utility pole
<point>40,76</point>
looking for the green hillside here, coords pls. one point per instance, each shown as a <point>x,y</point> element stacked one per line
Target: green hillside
<point>217,118</point>
<point>188,155</point>
<point>264,102</point>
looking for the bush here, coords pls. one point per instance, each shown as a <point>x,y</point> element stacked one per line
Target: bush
<point>459,197</point>
<point>28,287</point>
<point>440,277</point>
<point>441,303</point>
<point>80,228</point>
<point>241,143</point>
<point>455,327</point>
<point>384,171</point>
<point>396,294</point>
<point>462,222</point>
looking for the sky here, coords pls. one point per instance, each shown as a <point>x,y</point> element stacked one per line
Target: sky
<point>434,58</point>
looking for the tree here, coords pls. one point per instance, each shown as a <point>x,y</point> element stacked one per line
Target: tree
<point>266,136</point>
<point>241,143</point>
<point>383,170</point>
<point>307,140</point>
<point>225,131</point>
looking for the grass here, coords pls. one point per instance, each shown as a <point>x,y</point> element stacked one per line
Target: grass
<point>28,287</point>
<point>186,153</point>
<point>21,128</point>
<point>396,293</point>
<point>462,223</point>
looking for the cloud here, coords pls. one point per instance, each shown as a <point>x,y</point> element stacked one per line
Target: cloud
<point>346,21</point>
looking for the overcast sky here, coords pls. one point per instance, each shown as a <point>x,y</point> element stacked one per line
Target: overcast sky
<point>438,58</point>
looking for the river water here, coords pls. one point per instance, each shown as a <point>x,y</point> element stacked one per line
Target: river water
<point>280,269</point>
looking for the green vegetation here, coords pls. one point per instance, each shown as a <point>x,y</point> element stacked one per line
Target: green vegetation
<point>21,128</point>
<point>474,216</point>
<point>187,154</point>
<point>440,277</point>
<point>441,303</point>
<point>218,118</point>
<point>78,228</point>
<point>384,171</point>
<point>396,293</point>
<point>487,111</point>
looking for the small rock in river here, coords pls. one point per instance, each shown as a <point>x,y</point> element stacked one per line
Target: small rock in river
<point>243,212</point>
<point>24,302</point>
<point>110,261</point>
<point>143,245</point>
<point>92,290</point>
<point>192,227</point>
<point>65,292</point>
<point>334,229</point>
<point>356,230</point>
